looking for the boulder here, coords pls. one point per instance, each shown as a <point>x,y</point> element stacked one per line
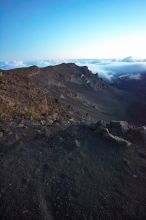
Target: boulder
<point>121,126</point>
<point>99,126</point>
<point>115,139</point>
<point>1,134</point>
<point>77,143</point>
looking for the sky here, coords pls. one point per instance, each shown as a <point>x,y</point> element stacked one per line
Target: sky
<point>72,29</point>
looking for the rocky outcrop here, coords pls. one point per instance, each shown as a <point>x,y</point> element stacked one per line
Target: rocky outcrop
<point>115,139</point>
<point>121,126</point>
<point>119,132</point>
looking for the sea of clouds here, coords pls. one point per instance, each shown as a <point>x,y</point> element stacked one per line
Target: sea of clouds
<point>106,68</point>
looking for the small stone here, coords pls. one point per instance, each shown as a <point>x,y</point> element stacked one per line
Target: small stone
<point>60,138</point>
<point>1,134</point>
<point>62,96</point>
<point>50,121</point>
<point>47,132</point>
<point>71,120</point>
<point>43,122</point>
<point>25,211</point>
<point>21,126</point>
<point>39,131</point>
<point>77,143</point>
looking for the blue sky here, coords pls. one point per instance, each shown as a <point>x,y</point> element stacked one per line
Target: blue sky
<point>62,29</point>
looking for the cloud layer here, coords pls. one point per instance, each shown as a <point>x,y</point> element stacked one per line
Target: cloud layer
<point>106,68</point>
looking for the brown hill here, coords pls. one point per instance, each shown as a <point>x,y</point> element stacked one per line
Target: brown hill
<point>19,97</point>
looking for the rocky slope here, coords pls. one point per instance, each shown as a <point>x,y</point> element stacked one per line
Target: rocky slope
<point>58,161</point>
<point>83,91</point>
<point>20,98</point>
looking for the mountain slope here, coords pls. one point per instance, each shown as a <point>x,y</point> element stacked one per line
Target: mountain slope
<point>57,161</point>
<point>84,91</point>
<point>19,97</point>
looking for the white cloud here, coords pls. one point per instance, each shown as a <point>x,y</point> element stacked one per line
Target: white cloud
<point>132,59</point>
<point>12,64</point>
<point>135,76</point>
<point>106,68</point>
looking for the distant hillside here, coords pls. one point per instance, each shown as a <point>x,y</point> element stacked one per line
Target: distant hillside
<point>136,88</point>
